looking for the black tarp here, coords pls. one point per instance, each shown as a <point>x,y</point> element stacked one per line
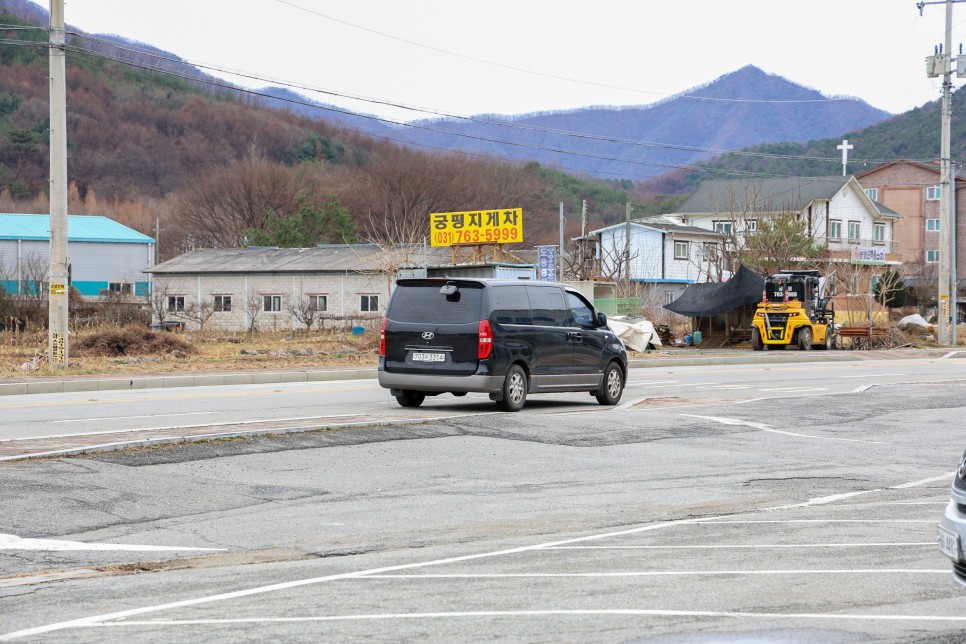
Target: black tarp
<point>714,298</point>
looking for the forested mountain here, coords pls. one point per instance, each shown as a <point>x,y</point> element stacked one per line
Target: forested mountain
<point>914,135</point>
<point>177,150</point>
<point>166,150</point>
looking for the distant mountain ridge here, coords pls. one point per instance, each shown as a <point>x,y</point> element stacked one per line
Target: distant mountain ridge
<point>743,108</point>
<point>746,107</point>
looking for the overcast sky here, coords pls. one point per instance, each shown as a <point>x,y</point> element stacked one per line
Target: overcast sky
<point>512,57</point>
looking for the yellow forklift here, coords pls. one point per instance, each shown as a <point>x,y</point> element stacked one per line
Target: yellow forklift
<point>793,311</point>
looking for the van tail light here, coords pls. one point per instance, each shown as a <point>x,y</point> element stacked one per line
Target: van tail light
<point>382,338</point>
<point>486,340</point>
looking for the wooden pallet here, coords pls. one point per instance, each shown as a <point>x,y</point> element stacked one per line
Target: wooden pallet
<point>863,332</point>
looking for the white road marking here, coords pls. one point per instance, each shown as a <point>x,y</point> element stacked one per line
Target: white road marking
<point>13,542</point>
<point>638,383</point>
<point>731,387</point>
<point>766,428</point>
<point>103,619</point>
<point>878,521</point>
<point>822,500</point>
<point>931,544</point>
<point>875,617</point>
<point>629,403</point>
<point>935,479</point>
<point>91,420</point>
<point>795,389</point>
<point>665,573</point>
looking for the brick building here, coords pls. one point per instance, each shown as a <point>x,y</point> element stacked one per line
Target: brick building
<point>913,190</point>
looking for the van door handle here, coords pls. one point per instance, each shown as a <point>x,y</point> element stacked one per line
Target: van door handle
<point>575,336</point>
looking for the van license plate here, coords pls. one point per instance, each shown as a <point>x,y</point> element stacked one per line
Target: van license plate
<point>949,544</point>
<point>429,357</point>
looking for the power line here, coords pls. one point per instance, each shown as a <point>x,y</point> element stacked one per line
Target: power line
<point>411,125</point>
<point>479,120</point>
<point>553,76</point>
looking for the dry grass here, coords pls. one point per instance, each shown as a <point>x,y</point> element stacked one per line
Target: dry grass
<point>139,353</point>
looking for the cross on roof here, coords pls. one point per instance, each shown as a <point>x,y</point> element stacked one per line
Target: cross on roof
<point>844,147</point>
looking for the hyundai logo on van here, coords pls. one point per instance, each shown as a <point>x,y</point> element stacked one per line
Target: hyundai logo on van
<point>428,335</point>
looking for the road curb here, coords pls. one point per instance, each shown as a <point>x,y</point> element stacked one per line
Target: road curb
<point>97,383</point>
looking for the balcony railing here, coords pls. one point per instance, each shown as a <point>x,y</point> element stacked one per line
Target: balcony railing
<point>846,243</point>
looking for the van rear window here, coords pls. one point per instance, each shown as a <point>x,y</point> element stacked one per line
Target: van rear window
<point>423,303</point>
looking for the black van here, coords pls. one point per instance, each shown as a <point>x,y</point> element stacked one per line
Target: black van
<point>506,338</point>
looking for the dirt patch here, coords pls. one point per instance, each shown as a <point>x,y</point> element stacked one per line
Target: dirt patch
<point>113,352</point>
<point>132,341</point>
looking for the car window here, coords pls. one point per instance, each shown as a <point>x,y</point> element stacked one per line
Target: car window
<point>423,303</point>
<point>548,307</point>
<point>580,310</point>
<point>510,305</point>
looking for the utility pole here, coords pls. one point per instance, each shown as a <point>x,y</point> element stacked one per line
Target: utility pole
<point>627,243</point>
<point>947,190</point>
<point>57,277</point>
<point>561,259</point>
<point>940,64</point>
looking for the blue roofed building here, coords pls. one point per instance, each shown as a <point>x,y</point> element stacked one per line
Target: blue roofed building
<point>104,256</point>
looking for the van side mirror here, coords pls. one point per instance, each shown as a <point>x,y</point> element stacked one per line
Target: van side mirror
<point>601,319</point>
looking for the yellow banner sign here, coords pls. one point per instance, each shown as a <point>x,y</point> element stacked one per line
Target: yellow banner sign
<point>476,227</point>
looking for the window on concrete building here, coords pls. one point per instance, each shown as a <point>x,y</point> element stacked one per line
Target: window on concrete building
<point>878,234</point>
<point>222,303</point>
<point>835,229</point>
<point>723,227</point>
<point>751,225</point>
<point>368,303</point>
<point>120,287</point>
<point>932,256</point>
<point>934,193</point>
<point>855,230</point>
<point>932,225</point>
<point>872,193</point>
<point>175,303</point>
<point>318,303</point>
<point>681,249</point>
<point>273,303</point>
<point>669,297</point>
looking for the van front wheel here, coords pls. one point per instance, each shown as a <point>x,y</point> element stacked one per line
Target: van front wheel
<point>410,399</point>
<point>613,385</point>
<point>514,390</point>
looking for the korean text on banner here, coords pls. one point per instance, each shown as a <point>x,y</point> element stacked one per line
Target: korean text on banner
<point>476,227</point>
<point>547,256</point>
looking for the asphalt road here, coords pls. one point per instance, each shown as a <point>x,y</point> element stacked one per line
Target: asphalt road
<point>727,502</point>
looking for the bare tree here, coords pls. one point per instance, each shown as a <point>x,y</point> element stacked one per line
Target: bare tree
<point>306,311</point>
<point>157,300</point>
<point>779,241</point>
<point>217,209</point>
<point>197,312</point>
<point>253,306</point>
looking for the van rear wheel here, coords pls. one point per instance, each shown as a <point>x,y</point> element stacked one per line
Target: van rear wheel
<point>514,390</point>
<point>613,387</point>
<point>410,398</point>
